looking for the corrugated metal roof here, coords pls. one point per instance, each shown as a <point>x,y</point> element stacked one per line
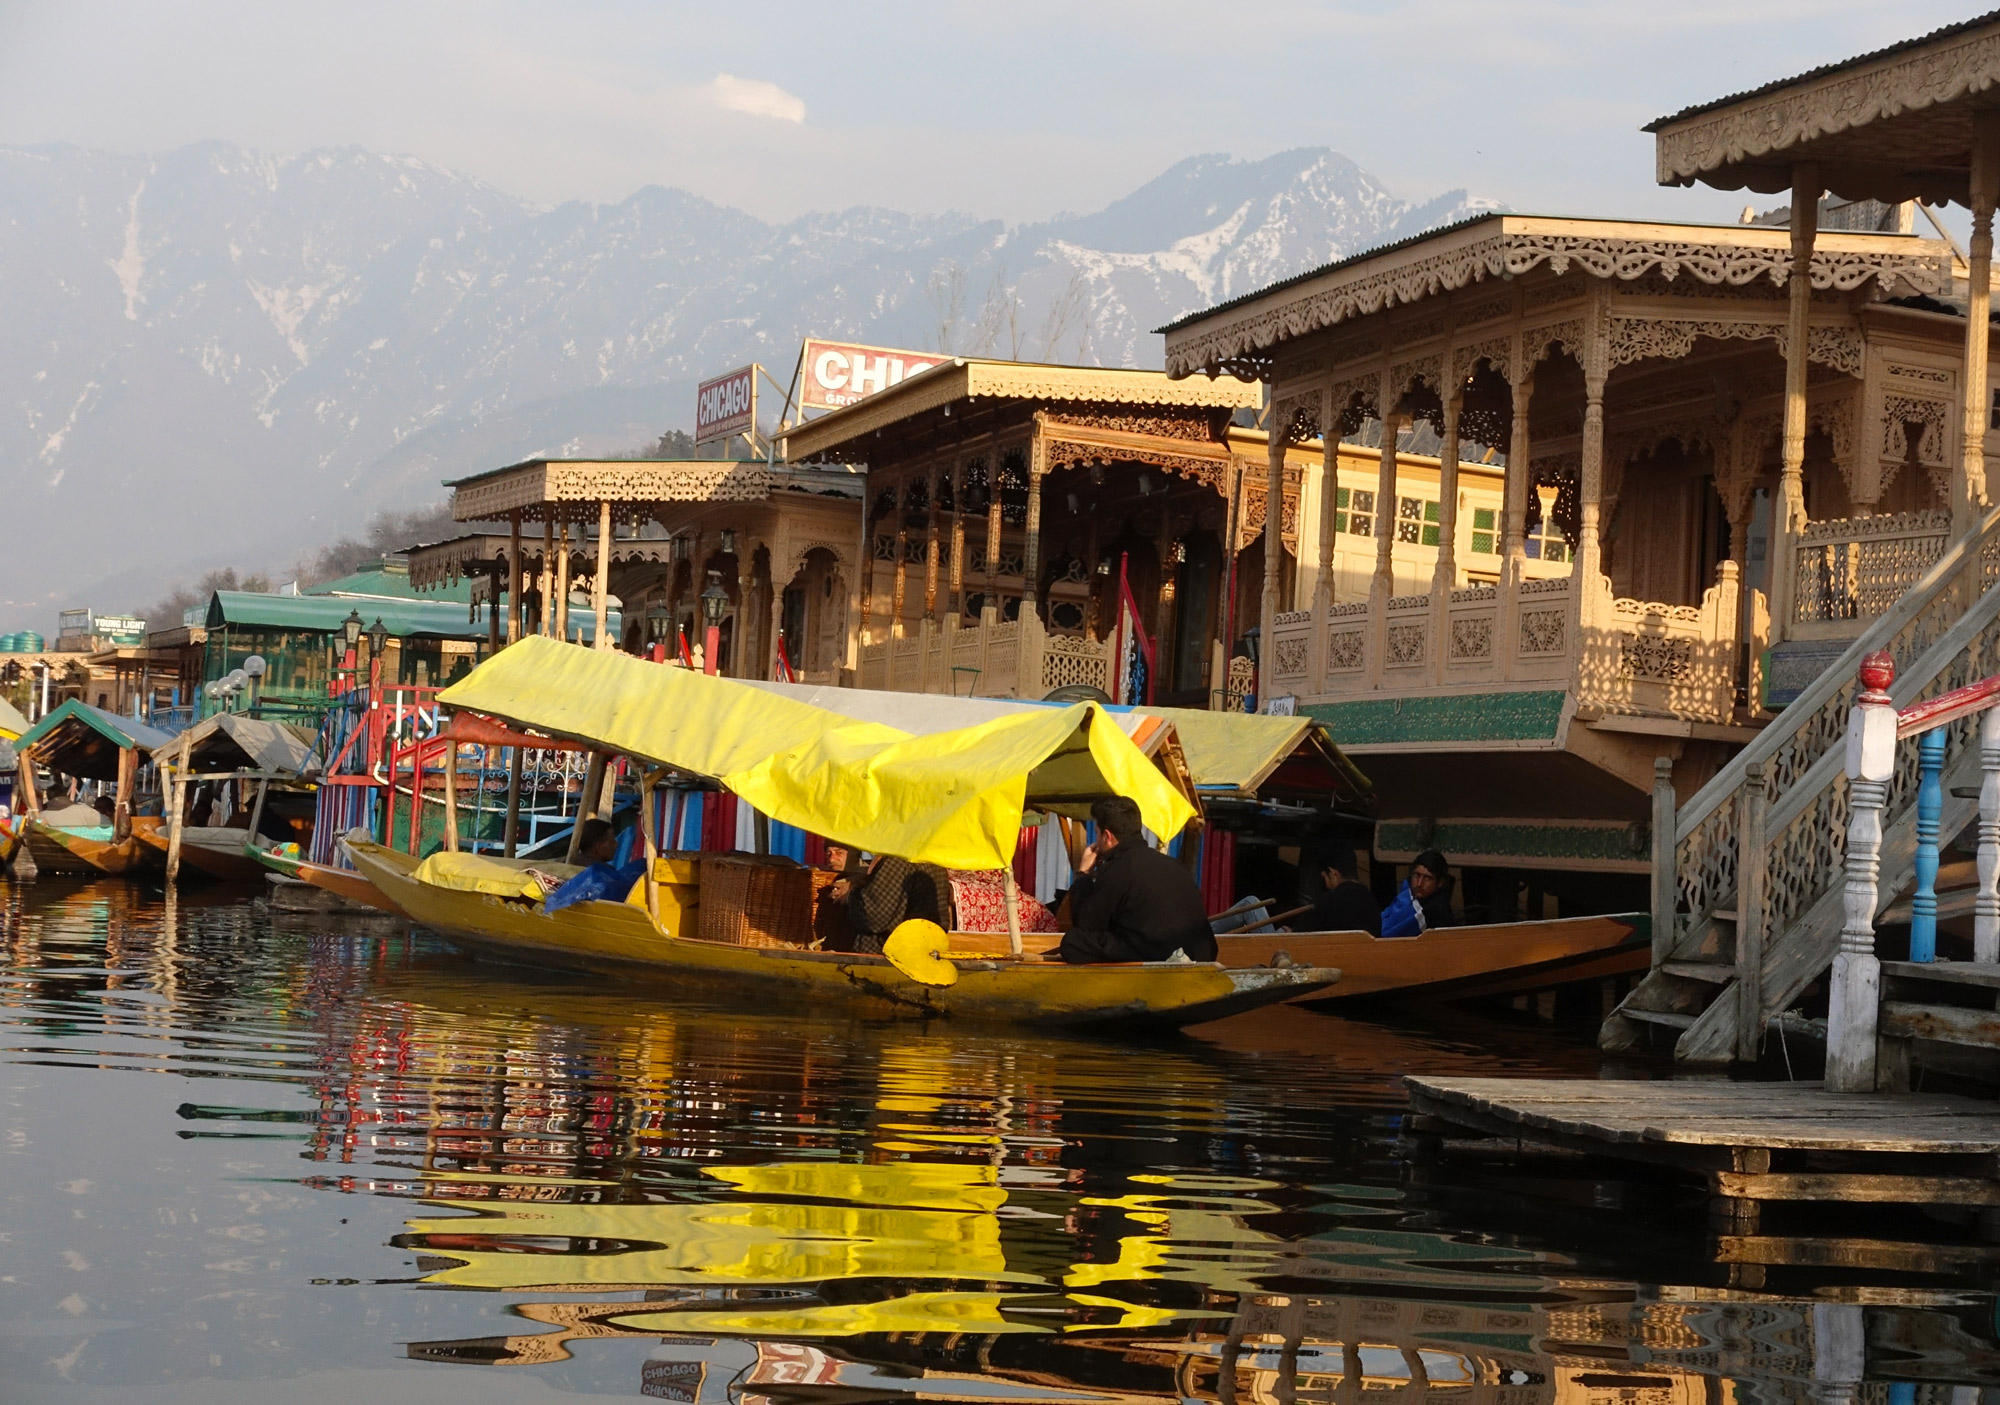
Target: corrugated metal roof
<point>1824,69</point>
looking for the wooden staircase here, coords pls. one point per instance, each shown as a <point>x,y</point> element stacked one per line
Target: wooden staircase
<point>1750,877</point>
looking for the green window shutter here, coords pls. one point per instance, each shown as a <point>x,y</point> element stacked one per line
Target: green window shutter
<point>1430,511</point>
<point>1482,519</point>
<point>1482,543</point>
<point>1430,535</point>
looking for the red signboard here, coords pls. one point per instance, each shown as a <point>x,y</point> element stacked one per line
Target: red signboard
<point>726,406</point>
<point>836,373</point>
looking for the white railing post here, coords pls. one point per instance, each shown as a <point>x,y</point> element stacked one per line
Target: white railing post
<point>1986,906</point>
<point>1855,1000</point>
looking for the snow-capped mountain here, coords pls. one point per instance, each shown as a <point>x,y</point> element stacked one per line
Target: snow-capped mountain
<point>215,356</point>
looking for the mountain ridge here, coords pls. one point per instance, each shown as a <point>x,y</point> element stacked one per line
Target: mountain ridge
<point>222,356</point>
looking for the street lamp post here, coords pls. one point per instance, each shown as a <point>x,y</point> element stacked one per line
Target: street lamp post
<point>714,600</point>
<point>254,667</point>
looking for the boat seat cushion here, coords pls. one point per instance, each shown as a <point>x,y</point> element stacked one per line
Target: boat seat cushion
<point>472,873</point>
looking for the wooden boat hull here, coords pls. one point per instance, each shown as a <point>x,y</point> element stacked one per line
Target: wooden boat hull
<point>65,851</point>
<point>344,883</point>
<point>1460,962</point>
<point>204,852</point>
<point>10,841</point>
<point>620,938</point>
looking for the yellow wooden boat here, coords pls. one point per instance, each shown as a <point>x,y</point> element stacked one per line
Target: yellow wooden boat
<point>622,938</point>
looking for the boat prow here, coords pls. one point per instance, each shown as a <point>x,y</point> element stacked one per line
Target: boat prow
<point>621,938</point>
<point>348,887</point>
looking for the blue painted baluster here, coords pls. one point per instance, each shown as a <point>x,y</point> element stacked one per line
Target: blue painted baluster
<point>1930,806</point>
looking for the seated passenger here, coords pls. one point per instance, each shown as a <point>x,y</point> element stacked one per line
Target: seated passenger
<point>602,879</point>
<point>1344,904</point>
<point>1132,902</point>
<point>894,891</point>
<point>1424,900</point>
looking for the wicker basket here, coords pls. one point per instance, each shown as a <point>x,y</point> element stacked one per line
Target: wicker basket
<point>755,900</point>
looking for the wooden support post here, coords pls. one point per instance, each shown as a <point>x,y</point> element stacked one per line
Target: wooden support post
<point>993,511</point>
<point>562,584</point>
<point>1854,1004</point>
<point>1986,906</point>
<point>1666,882</point>
<point>257,806</point>
<point>651,840</point>
<point>450,796</point>
<point>177,819</point>
<point>1013,913</point>
<point>1445,577</point>
<point>546,582</point>
<point>586,802</point>
<point>1274,550</point>
<point>1789,511</point>
<point>931,562</point>
<point>1750,884</point>
<point>516,621</point>
<point>600,588</point>
<point>1968,483</point>
<point>957,596</point>
<point>493,597</point>
<point>128,780</point>
<point>1930,809</point>
<point>899,588</point>
<point>510,831</point>
<point>1031,546</point>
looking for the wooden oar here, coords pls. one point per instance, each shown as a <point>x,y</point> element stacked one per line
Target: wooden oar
<point>1266,922</point>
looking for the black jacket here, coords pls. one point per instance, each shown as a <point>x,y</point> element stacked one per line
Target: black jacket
<point>1136,904</point>
<point>1348,908</point>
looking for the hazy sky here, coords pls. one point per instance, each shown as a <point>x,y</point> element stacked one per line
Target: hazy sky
<point>1015,109</point>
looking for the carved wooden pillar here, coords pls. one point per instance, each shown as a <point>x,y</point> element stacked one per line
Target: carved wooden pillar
<point>931,543</point>
<point>777,623</point>
<point>1274,547</point>
<point>864,575</point>
<point>1514,517</point>
<point>957,595</point>
<point>545,582</point>
<point>600,605</point>
<point>1446,574</point>
<point>562,583</point>
<point>993,535</point>
<point>1031,549</point>
<point>743,661</point>
<point>1383,584</point>
<point>1788,513</point>
<point>515,575</point>
<point>1968,487</point>
<point>1329,502</point>
<point>900,592</point>
<point>1590,485</point>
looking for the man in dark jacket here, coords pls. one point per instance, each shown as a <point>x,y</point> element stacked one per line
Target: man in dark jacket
<point>1131,902</point>
<point>1344,904</point>
<point>892,892</point>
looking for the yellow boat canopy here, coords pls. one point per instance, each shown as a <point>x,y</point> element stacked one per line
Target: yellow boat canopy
<point>12,723</point>
<point>956,798</point>
<point>704,726</point>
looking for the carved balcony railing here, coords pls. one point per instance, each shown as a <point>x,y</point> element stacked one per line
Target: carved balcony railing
<point>1619,656</point>
<point>1856,568</point>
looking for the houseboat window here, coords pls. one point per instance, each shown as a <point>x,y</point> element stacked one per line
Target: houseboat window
<point>1417,521</point>
<point>1546,543</point>
<point>1355,511</point>
<point>1484,534</point>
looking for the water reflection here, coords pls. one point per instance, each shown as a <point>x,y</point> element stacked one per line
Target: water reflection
<point>369,1155</point>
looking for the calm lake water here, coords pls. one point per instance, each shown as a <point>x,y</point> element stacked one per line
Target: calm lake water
<point>250,1157</point>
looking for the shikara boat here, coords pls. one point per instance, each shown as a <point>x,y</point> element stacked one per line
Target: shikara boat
<point>1460,962</point>
<point>343,883</point>
<point>85,850</point>
<point>621,938</point>
<point>215,851</point>
<point>10,840</point>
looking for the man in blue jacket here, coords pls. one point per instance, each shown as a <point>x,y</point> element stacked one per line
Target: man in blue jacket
<point>1424,900</point>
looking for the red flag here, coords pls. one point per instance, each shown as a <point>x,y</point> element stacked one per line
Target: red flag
<point>687,655</point>
<point>784,665</point>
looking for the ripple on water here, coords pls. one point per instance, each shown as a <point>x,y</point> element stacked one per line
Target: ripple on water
<point>370,1157</point>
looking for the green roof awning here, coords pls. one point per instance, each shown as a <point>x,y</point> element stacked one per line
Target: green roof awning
<point>324,614</point>
<point>80,740</point>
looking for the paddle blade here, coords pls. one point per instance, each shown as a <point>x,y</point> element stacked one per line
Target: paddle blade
<point>916,948</point>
